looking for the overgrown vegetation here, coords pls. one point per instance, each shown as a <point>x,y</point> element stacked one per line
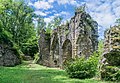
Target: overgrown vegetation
<point>30,47</point>
<point>110,63</point>
<point>111,73</point>
<point>16,26</point>
<point>111,70</point>
<point>18,31</point>
<point>85,68</point>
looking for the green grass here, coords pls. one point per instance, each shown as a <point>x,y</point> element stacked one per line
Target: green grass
<point>33,73</point>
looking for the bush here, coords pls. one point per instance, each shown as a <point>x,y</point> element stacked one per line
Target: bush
<point>83,68</point>
<point>110,67</point>
<point>113,58</point>
<point>111,73</point>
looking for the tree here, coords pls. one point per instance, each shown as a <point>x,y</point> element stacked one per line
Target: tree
<point>118,21</point>
<point>41,24</point>
<point>56,21</point>
<point>16,19</point>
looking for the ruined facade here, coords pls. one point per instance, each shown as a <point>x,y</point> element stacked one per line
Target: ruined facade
<point>77,38</point>
<point>112,45</point>
<point>111,56</point>
<point>112,40</point>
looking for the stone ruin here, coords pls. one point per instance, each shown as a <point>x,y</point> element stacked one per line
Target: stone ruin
<point>111,55</point>
<point>77,38</point>
<point>8,56</point>
<point>112,45</point>
<point>112,40</point>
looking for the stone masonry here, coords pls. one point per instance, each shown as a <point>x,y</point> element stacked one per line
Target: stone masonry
<point>111,55</point>
<point>8,56</point>
<point>77,38</point>
<point>112,45</point>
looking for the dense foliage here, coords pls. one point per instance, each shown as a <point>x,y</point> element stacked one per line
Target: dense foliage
<point>5,37</point>
<point>111,70</point>
<point>111,73</point>
<point>16,25</point>
<point>82,68</point>
<point>85,68</point>
<point>30,47</point>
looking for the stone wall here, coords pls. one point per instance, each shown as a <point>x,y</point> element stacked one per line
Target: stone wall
<point>8,56</point>
<point>44,49</point>
<point>77,38</point>
<point>112,45</point>
<point>111,55</point>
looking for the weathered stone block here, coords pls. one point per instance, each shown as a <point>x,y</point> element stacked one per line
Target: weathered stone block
<point>8,56</point>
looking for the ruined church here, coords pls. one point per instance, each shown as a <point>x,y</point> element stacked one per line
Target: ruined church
<point>77,38</point>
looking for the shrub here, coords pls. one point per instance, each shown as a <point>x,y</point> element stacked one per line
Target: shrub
<point>111,73</point>
<point>113,58</point>
<point>82,68</point>
<point>110,67</point>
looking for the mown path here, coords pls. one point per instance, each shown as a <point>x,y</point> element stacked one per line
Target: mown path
<point>34,73</point>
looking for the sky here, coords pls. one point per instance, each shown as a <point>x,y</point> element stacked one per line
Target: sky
<point>105,12</point>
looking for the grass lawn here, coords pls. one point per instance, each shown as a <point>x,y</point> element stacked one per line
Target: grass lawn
<point>33,73</point>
